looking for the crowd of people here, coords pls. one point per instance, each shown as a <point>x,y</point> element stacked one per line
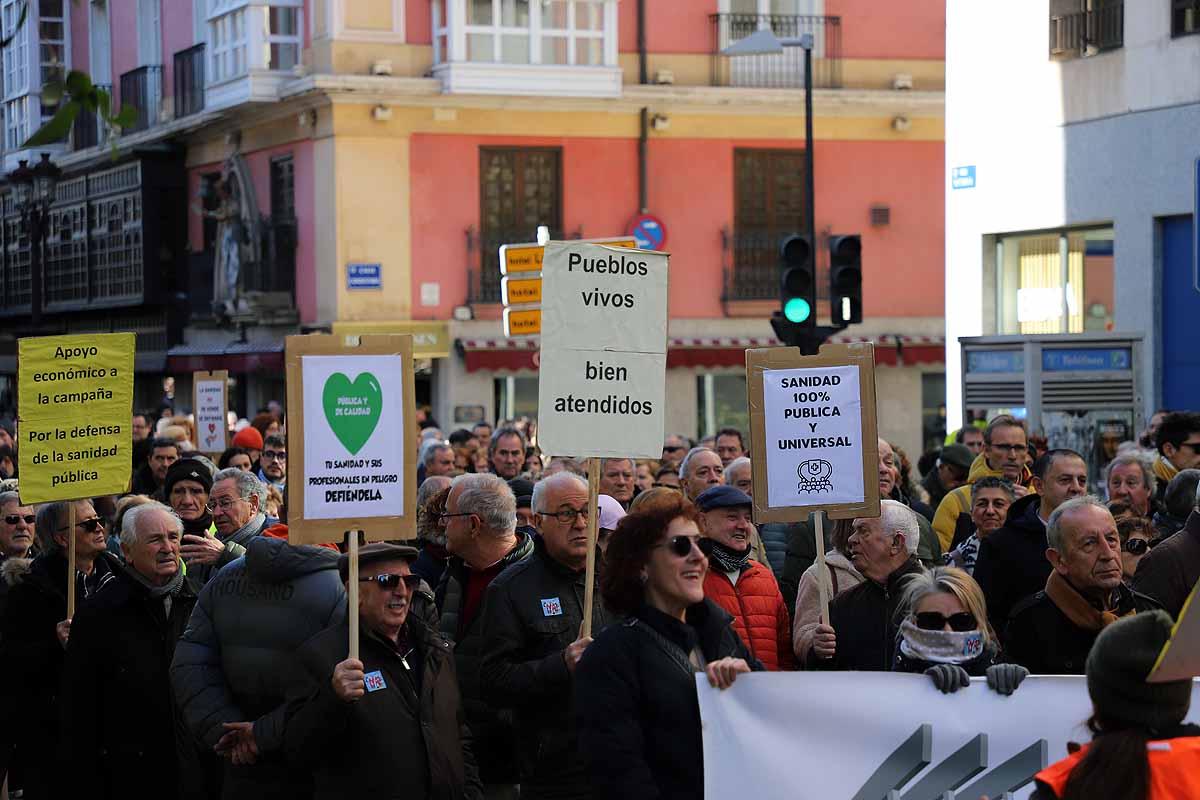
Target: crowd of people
<point>208,657</point>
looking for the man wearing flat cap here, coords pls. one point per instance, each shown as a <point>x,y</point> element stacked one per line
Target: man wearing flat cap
<point>388,723</point>
<point>743,587</point>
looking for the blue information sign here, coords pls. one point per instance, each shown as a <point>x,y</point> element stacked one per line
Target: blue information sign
<point>963,177</point>
<point>996,361</point>
<point>364,276</point>
<point>1098,359</point>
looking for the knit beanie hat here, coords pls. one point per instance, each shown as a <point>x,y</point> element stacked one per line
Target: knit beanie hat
<point>187,469</point>
<point>248,438</point>
<point>1117,667</point>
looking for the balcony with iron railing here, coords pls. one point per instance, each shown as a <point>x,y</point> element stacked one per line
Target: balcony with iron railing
<point>141,88</point>
<point>1088,33</point>
<point>782,70</point>
<point>189,81</point>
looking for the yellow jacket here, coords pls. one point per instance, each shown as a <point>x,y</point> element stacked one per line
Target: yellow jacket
<point>958,501</point>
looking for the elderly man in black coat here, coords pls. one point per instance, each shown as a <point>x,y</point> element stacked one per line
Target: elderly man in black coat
<point>390,722</point>
<point>122,732</point>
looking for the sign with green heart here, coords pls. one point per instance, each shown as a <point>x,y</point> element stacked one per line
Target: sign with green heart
<point>352,409</point>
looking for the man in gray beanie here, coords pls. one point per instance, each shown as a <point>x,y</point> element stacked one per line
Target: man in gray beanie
<point>1128,714</point>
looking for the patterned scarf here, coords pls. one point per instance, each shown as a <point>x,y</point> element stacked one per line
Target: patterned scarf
<point>1077,609</point>
<point>939,647</point>
<point>728,559</point>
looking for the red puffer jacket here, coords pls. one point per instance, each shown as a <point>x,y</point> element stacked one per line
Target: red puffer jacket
<point>760,616</point>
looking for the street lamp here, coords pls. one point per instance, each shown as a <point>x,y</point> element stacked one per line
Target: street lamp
<point>33,193</point>
<point>765,42</point>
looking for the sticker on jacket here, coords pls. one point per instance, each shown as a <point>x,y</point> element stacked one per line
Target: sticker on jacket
<point>374,681</point>
<point>551,607</point>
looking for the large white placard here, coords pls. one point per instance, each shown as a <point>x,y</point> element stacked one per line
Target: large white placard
<point>211,426</point>
<point>354,444</point>
<point>858,735</point>
<point>813,423</point>
<point>602,371</point>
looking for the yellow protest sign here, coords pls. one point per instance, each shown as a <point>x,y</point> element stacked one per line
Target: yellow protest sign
<point>75,410</point>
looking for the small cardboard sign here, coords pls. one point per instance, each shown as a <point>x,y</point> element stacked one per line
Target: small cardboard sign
<point>210,399</point>
<point>813,432</point>
<point>350,427</point>
<point>75,413</point>
<point>1180,657</point>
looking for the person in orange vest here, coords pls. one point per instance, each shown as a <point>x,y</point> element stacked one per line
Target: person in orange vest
<point>1140,749</point>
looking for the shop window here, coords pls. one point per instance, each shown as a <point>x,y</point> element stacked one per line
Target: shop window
<point>1055,282</point>
<point>721,403</point>
<point>283,187</point>
<point>516,396</point>
<point>933,410</point>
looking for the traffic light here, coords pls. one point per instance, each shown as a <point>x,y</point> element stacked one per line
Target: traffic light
<point>797,291</point>
<point>845,279</point>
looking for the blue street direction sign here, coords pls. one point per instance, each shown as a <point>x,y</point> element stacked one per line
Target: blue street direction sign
<point>364,276</point>
<point>1094,359</point>
<point>963,177</point>
<point>995,361</point>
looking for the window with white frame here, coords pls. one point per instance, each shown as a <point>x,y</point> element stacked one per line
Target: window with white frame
<point>560,32</point>
<point>16,55</point>
<point>16,122</point>
<point>248,35</point>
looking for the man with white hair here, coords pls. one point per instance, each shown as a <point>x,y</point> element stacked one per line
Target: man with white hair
<point>123,730</point>
<point>480,521</point>
<point>861,632</point>
<point>532,636</point>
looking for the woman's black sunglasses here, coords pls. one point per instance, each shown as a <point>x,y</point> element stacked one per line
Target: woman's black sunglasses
<point>1136,547</point>
<point>962,622</point>
<point>390,580</point>
<point>682,545</point>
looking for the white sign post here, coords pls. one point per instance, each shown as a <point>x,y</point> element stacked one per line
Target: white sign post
<point>603,370</point>
<point>602,377</point>
<point>210,401</point>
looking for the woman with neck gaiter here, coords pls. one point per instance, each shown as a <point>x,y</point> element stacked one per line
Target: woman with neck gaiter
<point>945,634</point>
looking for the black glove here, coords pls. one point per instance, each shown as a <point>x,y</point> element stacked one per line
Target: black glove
<point>949,678</point>
<point>1005,678</point>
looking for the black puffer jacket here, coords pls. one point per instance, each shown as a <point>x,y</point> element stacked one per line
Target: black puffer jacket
<point>31,658</point>
<point>405,738</point>
<point>531,613</point>
<point>866,624</point>
<point>122,732</point>
<point>236,659</point>
<point>495,751</point>
<point>636,706</point>
<point>1012,564</point>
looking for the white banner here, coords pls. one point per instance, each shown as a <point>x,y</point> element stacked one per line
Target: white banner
<point>860,735</point>
<point>813,423</point>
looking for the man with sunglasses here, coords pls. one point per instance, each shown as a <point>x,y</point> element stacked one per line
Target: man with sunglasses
<point>391,717</point>
<point>16,528</point>
<point>1170,570</point>
<point>34,632</point>
<point>533,639</point>
<point>675,447</point>
<point>480,521</point>
<point>1178,443</point>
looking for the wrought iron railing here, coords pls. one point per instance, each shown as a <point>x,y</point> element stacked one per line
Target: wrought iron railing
<point>189,81</point>
<point>752,266</point>
<point>1087,33</point>
<point>782,70</point>
<point>141,88</point>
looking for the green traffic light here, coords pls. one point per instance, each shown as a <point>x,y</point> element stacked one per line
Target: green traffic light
<point>797,309</point>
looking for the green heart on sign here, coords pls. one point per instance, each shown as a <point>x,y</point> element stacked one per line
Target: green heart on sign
<point>352,409</point>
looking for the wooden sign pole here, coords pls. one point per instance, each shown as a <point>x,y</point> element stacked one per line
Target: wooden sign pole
<point>818,518</point>
<point>592,521</point>
<point>352,600</point>
<point>70,559</point>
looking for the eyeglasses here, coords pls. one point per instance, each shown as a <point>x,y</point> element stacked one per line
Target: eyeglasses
<point>224,503</point>
<point>657,485</point>
<point>390,580</point>
<point>272,455</point>
<point>90,525</point>
<point>1135,547</point>
<point>673,448</point>
<point>1193,446</point>
<point>961,622</point>
<point>13,519</point>
<point>681,545</point>
<point>445,515</point>
<point>567,515</point>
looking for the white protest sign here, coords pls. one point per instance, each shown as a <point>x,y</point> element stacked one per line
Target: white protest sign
<point>861,735</point>
<point>813,420</point>
<point>1180,657</point>
<point>354,445</point>
<point>812,428</point>
<point>602,374</point>
<point>210,401</point>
